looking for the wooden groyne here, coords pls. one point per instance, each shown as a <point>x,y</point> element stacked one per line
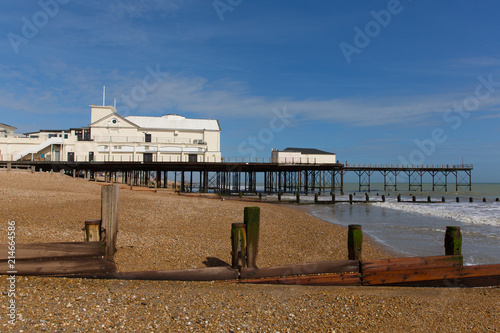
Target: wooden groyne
<point>94,255</point>
<point>94,259</point>
<point>434,271</point>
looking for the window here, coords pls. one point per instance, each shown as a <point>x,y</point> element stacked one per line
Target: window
<point>86,135</point>
<point>147,138</point>
<point>79,135</point>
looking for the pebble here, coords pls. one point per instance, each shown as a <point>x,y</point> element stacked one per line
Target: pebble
<point>163,231</point>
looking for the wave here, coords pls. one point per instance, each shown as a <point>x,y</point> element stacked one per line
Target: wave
<point>470,213</point>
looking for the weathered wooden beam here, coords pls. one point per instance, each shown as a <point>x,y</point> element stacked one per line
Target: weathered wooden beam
<point>251,217</point>
<point>92,231</point>
<point>239,245</point>
<point>344,279</point>
<point>453,241</point>
<point>54,250</point>
<point>322,267</point>
<point>355,242</point>
<point>59,266</point>
<point>190,274</point>
<point>109,218</point>
<point>396,264</point>
<point>431,274</point>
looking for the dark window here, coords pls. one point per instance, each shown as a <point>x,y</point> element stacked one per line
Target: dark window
<point>193,158</point>
<point>91,156</point>
<point>71,157</point>
<point>52,135</point>
<point>148,138</point>
<point>86,135</point>
<point>78,134</point>
<point>148,157</point>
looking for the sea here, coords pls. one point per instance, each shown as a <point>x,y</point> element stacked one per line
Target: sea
<point>417,229</point>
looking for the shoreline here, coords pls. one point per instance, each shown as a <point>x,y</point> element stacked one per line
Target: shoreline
<point>386,251</point>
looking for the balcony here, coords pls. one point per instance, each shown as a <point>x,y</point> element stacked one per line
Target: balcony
<point>133,139</point>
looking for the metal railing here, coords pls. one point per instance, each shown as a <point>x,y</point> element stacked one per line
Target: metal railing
<point>409,166</point>
<point>132,139</point>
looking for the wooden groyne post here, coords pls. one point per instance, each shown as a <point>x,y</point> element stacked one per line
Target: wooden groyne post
<point>92,231</point>
<point>109,218</point>
<point>453,241</point>
<point>251,217</point>
<point>354,241</point>
<point>239,245</point>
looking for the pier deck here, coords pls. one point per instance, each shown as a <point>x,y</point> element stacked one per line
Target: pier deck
<point>272,178</point>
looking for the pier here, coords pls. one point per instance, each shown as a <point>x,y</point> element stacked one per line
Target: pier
<point>254,177</point>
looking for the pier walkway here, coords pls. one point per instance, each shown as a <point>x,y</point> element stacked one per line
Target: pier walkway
<point>251,177</point>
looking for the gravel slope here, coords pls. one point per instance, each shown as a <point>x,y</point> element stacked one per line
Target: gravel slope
<point>166,231</point>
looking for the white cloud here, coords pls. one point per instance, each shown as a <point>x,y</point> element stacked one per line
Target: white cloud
<point>72,90</point>
<point>140,8</point>
<point>482,61</point>
<point>196,94</point>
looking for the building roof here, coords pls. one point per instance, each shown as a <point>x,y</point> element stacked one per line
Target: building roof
<point>5,125</point>
<point>308,151</point>
<point>174,122</point>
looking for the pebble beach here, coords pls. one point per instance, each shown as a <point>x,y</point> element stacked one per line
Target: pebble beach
<point>163,230</point>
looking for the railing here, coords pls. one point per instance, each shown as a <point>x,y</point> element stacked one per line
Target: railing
<point>409,166</point>
<point>132,139</point>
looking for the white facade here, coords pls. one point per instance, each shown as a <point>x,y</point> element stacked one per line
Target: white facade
<point>111,137</point>
<point>302,156</point>
<point>6,130</point>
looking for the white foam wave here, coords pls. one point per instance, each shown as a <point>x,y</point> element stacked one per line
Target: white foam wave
<point>471,213</point>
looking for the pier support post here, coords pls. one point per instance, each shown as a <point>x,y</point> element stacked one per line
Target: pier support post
<point>354,241</point>
<point>251,218</point>
<point>239,245</point>
<point>453,241</point>
<point>109,218</point>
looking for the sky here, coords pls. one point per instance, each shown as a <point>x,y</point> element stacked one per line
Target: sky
<point>376,82</point>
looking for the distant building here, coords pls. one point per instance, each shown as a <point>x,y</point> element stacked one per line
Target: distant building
<point>111,137</point>
<point>6,130</point>
<point>302,156</point>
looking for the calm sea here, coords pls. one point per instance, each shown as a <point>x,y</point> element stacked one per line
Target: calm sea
<point>417,229</point>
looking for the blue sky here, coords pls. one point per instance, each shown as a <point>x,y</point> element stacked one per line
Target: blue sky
<point>373,81</point>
